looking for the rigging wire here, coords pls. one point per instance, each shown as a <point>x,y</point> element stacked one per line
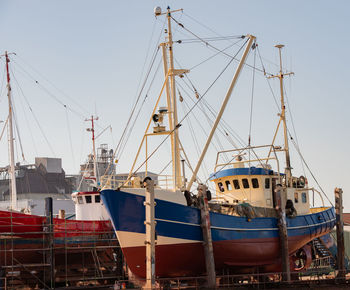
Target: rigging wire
<point>139,111</point>
<point>217,53</point>
<point>294,142</point>
<point>165,167</point>
<point>307,166</point>
<point>136,103</point>
<point>2,83</point>
<point>53,96</point>
<point>213,47</point>
<point>147,54</point>
<point>268,82</point>
<point>225,127</point>
<point>3,128</point>
<point>35,118</point>
<point>124,139</point>
<point>17,132</point>
<point>220,38</point>
<point>195,141</point>
<point>70,136</point>
<point>186,115</point>
<point>293,126</point>
<point>51,83</point>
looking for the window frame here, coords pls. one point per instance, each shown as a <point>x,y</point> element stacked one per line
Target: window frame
<point>88,199</point>
<point>255,183</point>
<point>245,183</point>
<point>303,197</point>
<point>228,185</point>
<point>236,184</point>
<point>296,197</point>
<point>80,200</point>
<point>221,187</point>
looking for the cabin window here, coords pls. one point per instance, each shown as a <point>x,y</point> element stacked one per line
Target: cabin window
<point>221,187</point>
<point>303,197</point>
<point>228,185</point>
<point>97,198</point>
<point>236,184</point>
<point>80,200</point>
<point>245,183</point>
<point>88,199</point>
<point>255,183</point>
<point>267,183</point>
<point>296,200</point>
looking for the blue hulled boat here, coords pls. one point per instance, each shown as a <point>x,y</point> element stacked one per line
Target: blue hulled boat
<point>243,216</point>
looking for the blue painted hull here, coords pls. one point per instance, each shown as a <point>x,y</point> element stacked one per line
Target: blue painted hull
<point>237,241</point>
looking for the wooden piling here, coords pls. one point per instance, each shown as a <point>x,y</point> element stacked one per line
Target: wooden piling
<point>283,233</point>
<point>150,234</point>
<point>338,192</point>
<point>207,239</point>
<point>49,237</point>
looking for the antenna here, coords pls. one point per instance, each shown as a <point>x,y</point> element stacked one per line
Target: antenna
<point>92,130</point>
<point>288,169</point>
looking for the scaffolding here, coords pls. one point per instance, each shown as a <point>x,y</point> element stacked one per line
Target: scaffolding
<point>35,253</point>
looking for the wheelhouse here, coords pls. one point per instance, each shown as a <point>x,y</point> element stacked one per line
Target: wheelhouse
<point>235,182</point>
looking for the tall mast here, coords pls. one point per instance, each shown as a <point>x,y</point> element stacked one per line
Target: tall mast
<point>223,106</point>
<point>92,130</point>
<point>11,147</point>
<point>288,170</point>
<point>169,104</point>
<point>176,152</point>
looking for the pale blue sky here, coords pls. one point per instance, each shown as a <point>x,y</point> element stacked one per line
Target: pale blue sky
<point>94,51</point>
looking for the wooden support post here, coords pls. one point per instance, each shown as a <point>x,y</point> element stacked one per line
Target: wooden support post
<point>50,256</point>
<point>207,240</point>
<point>150,234</point>
<point>338,192</point>
<point>283,233</point>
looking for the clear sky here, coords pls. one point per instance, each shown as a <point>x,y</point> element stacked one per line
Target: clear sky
<point>90,56</point>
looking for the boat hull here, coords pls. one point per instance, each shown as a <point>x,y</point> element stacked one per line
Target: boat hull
<point>237,241</point>
<point>24,239</point>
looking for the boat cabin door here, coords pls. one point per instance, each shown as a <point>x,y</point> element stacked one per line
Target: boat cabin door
<point>276,196</point>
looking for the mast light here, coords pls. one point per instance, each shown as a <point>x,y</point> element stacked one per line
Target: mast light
<point>157,11</point>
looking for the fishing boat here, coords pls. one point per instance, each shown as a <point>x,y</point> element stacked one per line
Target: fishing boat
<point>250,191</point>
<point>26,239</point>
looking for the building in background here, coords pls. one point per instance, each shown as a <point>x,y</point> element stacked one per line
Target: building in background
<point>34,182</point>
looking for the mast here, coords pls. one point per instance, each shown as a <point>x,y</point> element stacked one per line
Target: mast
<point>11,147</point>
<point>223,106</point>
<point>170,110</point>
<point>176,161</point>
<point>92,130</point>
<point>288,170</point>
